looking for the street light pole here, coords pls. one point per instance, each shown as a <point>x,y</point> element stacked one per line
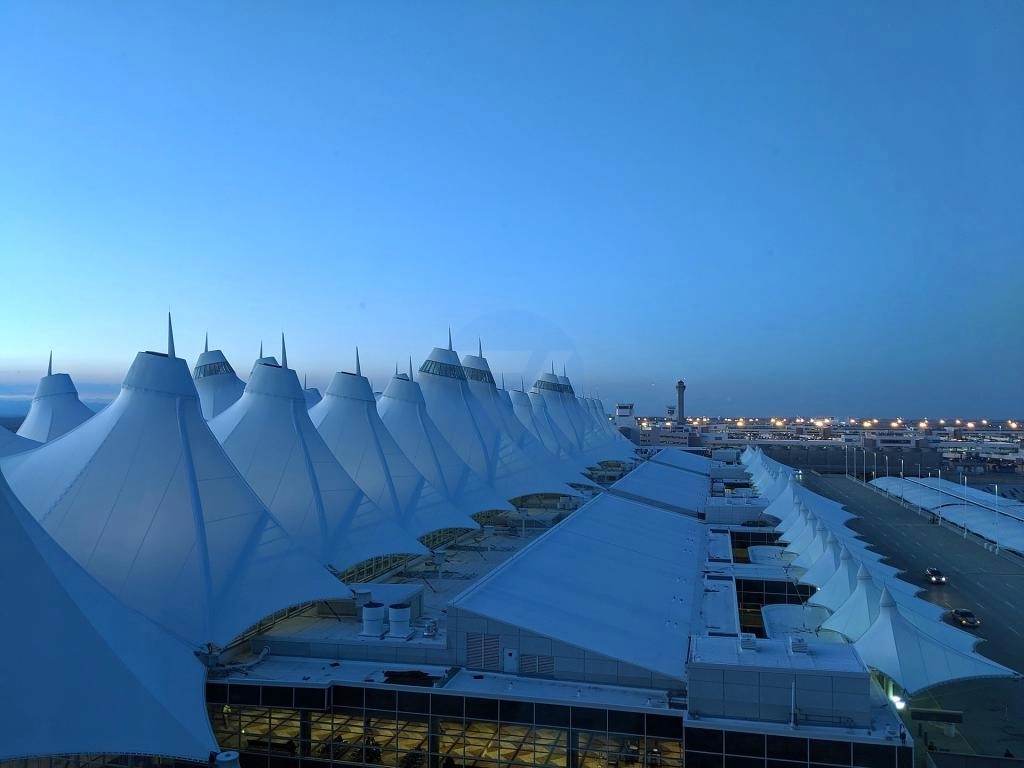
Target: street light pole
<point>995,535</point>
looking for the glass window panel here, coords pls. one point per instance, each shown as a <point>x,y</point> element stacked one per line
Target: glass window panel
<point>552,714</point>
<point>787,747</point>
<point>665,726</point>
<point>830,752</point>
<point>516,711</point>
<point>740,743</point>
<point>703,739</point>
<point>626,722</point>
<point>447,706</point>
<point>590,719</point>
<point>276,696</point>
<point>481,709</point>
<point>703,760</point>
<point>874,755</point>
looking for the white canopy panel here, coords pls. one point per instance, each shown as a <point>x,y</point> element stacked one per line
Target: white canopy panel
<point>404,412</point>
<point>145,499</point>
<point>466,426</point>
<point>127,687</point>
<point>269,436</point>
<point>616,577</point>
<point>216,382</point>
<point>55,408</point>
<point>915,659</point>
<point>482,386</point>
<point>348,421</point>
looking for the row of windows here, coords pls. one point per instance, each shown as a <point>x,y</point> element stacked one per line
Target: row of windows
<point>553,386</point>
<point>447,370</point>
<point>212,369</point>
<point>477,375</point>
<point>369,737</point>
<point>707,745</point>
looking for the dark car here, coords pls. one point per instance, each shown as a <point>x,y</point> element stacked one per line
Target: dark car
<point>934,575</point>
<point>965,618</point>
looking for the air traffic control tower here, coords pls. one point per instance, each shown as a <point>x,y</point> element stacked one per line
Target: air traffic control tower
<point>680,393</point>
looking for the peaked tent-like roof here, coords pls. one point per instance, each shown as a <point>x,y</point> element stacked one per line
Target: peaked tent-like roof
<point>145,499</point>
<point>466,426</point>
<point>404,412</point>
<point>914,659</point>
<point>348,421</point>
<point>614,578</point>
<point>532,412</point>
<point>216,382</point>
<point>483,388</point>
<point>270,438</point>
<point>55,408</point>
<point>60,702</point>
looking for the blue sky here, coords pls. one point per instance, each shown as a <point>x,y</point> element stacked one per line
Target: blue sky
<point>800,208</point>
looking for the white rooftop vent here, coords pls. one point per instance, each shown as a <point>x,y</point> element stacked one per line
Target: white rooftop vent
<point>399,615</point>
<point>373,620</point>
<point>797,644</point>
<point>748,641</point>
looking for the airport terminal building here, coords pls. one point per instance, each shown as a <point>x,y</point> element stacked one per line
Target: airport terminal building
<point>435,576</point>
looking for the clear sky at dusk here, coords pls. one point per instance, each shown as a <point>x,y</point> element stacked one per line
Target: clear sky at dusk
<point>798,207</point>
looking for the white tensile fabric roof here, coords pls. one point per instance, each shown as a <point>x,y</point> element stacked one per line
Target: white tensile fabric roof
<point>532,411</point>
<point>216,382</point>
<point>348,421</point>
<point>128,686</point>
<point>984,514</point>
<point>269,436</point>
<point>895,646</point>
<point>145,499</point>
<point>12,443</point>
<point>404,413</point>
<point>469,430</point>
<point>312,396</point>
<point>483,388</point>
<point>616,577</point>
<point>904,638</point>
<point>55,408</point>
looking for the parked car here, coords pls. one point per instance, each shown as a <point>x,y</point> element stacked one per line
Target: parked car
<point>965,618</point>
<point>934,575</point>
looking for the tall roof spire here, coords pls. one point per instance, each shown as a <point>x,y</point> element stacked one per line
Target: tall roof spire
<point>396,367</point>
<point>502,379</point>
<point>410,369</point>
<point>284,352</point>
<point>206,342</point>
<point>479,347</point>
<point>449,338</point>
<point>261,349</point>
<point>563,371</point>
<point>170,337</point>
<point>359,370</point>
<point>522,381</point>
<point>49,366</point>
<point>552,367</point>
<point>305,381</point>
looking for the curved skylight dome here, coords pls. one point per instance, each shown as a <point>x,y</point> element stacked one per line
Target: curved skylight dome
<point>216,382</point>
<point>145,499</point>
<point>404,413</point>
<point>464,422</point>
<point>76,637</point>
<point>348,421</point>
<point>269,436</point>
<point>55,408</point>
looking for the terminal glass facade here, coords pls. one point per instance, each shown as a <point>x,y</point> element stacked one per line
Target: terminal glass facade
<point>279,726</point>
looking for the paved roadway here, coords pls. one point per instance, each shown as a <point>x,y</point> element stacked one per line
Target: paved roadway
<point>991,585</point>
